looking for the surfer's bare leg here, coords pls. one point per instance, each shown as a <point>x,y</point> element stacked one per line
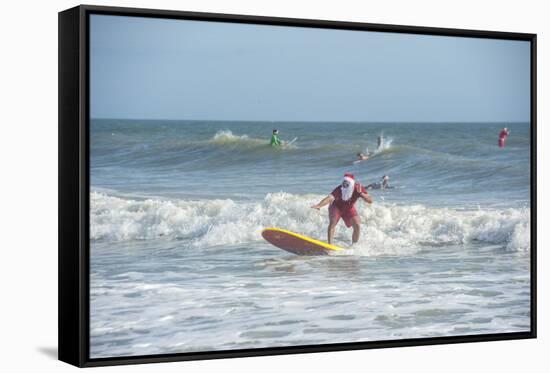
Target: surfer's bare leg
<point>333,218</point>
<point>356,224</point>
<point>330,230</point>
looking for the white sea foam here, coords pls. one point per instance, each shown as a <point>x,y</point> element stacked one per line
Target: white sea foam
<point>385,145</point>
<point>226,137</point>
<point>387,229</point>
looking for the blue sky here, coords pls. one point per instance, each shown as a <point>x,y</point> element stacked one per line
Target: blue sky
<point>147,68</point>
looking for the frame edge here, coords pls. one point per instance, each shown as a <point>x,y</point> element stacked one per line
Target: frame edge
<point>303,22</point>
<point>70,296</point>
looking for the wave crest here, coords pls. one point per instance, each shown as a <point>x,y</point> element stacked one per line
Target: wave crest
<point>387,229</point>
<point>226,137</point>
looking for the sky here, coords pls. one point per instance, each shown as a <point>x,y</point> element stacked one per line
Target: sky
<point>148,68</point>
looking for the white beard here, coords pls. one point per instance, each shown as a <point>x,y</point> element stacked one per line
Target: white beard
<point>348,192</point>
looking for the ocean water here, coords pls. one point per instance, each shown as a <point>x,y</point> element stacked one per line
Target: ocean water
<point>178,263</point>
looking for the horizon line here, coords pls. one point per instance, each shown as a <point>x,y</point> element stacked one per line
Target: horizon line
<point>311,120</point>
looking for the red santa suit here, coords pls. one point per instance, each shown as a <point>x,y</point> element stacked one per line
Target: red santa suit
<point>343,205</point>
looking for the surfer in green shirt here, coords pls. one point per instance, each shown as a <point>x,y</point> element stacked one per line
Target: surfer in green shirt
<point>275,141</point>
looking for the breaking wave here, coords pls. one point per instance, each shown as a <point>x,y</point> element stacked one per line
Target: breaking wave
<point>387,230</point>
<point>226,137</point>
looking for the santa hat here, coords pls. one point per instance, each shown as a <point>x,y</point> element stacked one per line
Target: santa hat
<point>349,177</point>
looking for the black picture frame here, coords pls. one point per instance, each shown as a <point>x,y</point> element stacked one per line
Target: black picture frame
<point>74,189</point>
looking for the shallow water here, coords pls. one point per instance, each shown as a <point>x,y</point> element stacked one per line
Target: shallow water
<point>156,297</point>
<point>178,263</point>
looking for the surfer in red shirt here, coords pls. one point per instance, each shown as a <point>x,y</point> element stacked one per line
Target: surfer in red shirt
<point>342,205</point>
<point>502,137</point>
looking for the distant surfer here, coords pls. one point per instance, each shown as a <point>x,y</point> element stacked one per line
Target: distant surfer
<point>384,183</point>
<point>502,137</point>
<point>362,156</point>
<point>275,141</point>
<point>342,206</point>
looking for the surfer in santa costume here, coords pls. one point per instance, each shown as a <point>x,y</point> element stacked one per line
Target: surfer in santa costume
<point>502,137</point>
<point>342,206</point>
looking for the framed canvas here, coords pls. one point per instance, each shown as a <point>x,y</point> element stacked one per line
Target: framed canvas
<point>235,186</point>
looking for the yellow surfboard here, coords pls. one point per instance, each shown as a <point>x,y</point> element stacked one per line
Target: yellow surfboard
<point>297,243</point>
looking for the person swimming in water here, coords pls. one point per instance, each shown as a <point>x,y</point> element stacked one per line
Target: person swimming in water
<point>342,206</point>
<point>384,183</point>
<point>275,141</point>
<point>362,156</point>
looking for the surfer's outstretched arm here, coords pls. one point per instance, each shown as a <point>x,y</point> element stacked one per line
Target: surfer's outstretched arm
<point>366,197</point>
<point>325,201</point>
